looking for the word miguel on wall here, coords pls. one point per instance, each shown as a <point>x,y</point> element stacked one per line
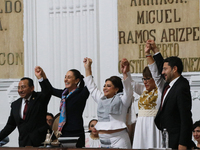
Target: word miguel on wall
<point>173,24</point>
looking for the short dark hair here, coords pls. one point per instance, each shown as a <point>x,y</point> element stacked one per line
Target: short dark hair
<point>79,76</point>
<point>91,121</point>
<point>146,72</point>
<point>117,82</point>
<point>196,124</point>
<point>50,114</point>
<point>30,81</point>
<point>175,61</point>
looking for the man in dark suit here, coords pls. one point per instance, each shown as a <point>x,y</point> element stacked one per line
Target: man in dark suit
<point>174,113</point>
<point>28,114</point>
<point>4,141</point>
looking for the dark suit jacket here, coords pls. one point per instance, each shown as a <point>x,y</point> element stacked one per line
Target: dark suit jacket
<point>176,114</point>
<point>32,130</point>
<point>4,141</point>
<point>75,105</point>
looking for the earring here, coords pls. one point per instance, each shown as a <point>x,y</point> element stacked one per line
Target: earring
<point>78,84</point>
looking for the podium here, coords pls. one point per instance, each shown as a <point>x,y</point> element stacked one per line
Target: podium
<point>69,142</point>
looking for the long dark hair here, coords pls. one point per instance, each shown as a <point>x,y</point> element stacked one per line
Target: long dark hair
<point>117,82</point>
<point>79,76</point>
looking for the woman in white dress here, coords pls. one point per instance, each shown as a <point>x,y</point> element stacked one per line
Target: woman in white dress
<point>146,134</point>
<point>113,104</point>
<point>93,139</point>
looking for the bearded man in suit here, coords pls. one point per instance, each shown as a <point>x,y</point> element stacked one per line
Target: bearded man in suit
<point>174,113</point>
<point>28,113</point>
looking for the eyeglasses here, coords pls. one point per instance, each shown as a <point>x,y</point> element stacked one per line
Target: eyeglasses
<point>146,79</point>
<point>21,87</point>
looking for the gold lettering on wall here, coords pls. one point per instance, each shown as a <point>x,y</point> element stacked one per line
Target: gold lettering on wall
<point>11,42</point>
<point>167,22</point>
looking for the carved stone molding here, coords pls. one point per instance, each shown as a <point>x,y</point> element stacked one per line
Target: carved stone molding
<point>10,86</point>
<point>30,37</point>
<point>195,87</point>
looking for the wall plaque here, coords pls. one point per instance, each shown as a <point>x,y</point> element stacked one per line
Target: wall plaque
<point>173,24</point>
<point>11,39</point>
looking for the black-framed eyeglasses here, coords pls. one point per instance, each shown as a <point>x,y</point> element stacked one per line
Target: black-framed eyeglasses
<point>146,79</point>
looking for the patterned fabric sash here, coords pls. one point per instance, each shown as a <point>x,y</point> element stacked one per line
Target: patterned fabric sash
<point>147,113</point>
<point>62,119</point>
<point>148,99</point>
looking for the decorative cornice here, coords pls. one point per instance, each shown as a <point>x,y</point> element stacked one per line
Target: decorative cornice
<point>10,86</point>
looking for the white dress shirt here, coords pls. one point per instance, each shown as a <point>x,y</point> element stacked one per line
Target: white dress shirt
<point>23,105</point>
<point>170,84</point>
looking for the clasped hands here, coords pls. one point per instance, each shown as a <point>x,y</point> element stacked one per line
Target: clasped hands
<point>150,45</point>
<point>39,73</point>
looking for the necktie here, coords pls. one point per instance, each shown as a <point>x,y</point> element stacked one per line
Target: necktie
<point>166,88</point>
<point>25,109</point>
